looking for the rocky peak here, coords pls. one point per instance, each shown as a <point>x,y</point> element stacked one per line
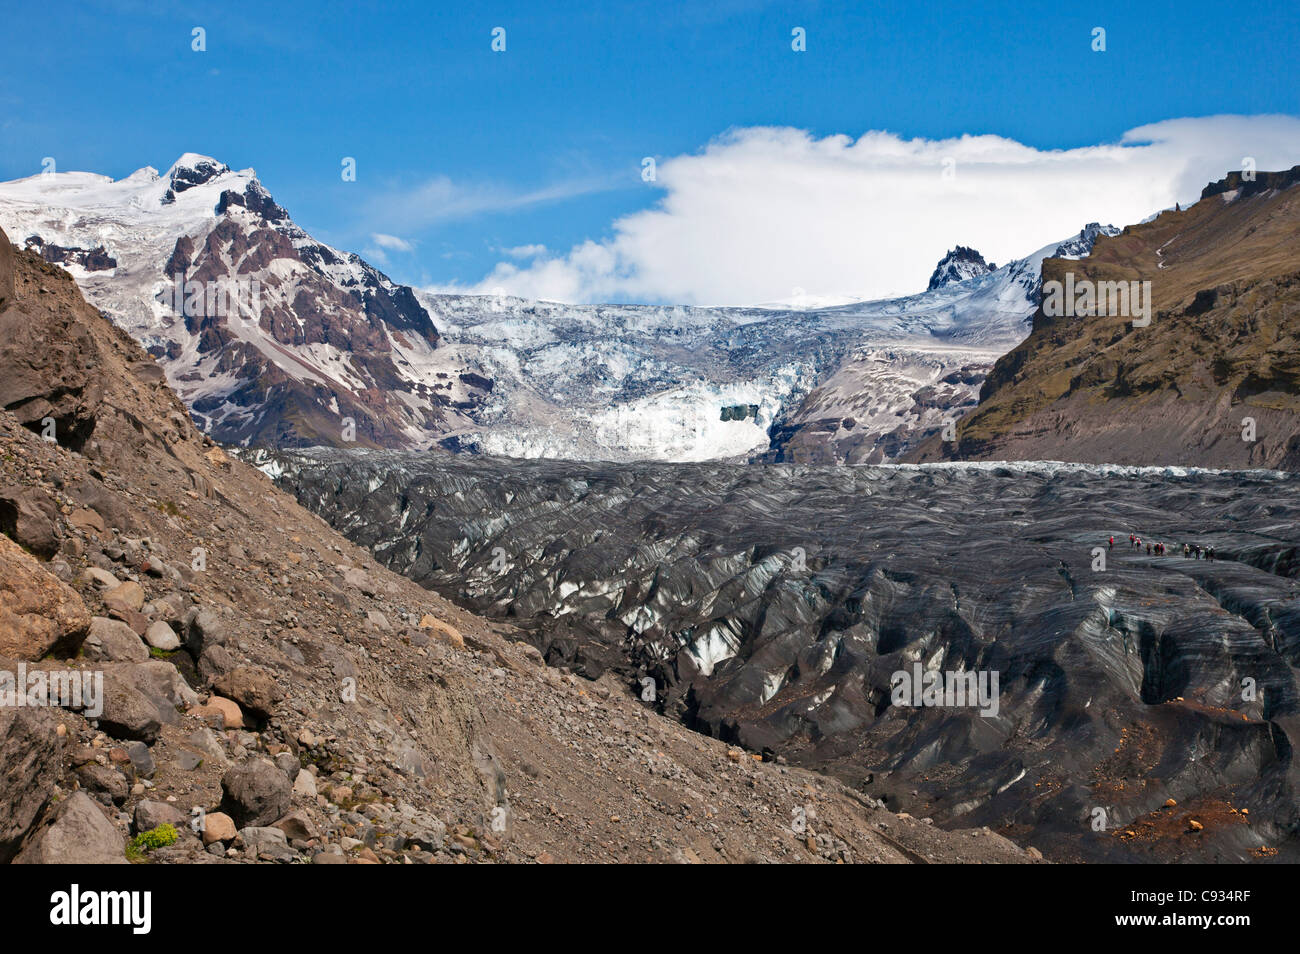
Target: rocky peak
<point>958,265</point>
<point>191,170</point>
<point>1236,181</point>
<point>1081,245</point>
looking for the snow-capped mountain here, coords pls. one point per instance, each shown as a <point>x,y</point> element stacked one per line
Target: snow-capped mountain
<point>275,339</point>
<point>959,265</point>
<point>269,336</point>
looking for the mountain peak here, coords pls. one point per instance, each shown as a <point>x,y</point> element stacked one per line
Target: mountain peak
<point>195,161</point>
<point>192,170</point>
<point>958,265</point>
<point>1081,245</point>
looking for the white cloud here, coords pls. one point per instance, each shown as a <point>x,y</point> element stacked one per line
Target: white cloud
<point>763,211</point>
<point>441,200</point>
<point>391,242</point>
<point>523,251</point>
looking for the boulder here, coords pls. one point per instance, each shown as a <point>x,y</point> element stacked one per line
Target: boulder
<point>128,595</point>
<point>112,641</point>
<point>29,769</point>
<point>100,578</point>
<point>305,785</point>
<point>218,826</point>
<point>255,793</point>
<point>39,614</point>
<point>137,701</point>
<point>227,711</point>
<point>77,833</point>
<point>30,518</point>
<point>150,814</point>
<point>204,628</point>
<point>161,636</point>
<point>297,826</point>
<point>254,689</point>
<point>105,781</point>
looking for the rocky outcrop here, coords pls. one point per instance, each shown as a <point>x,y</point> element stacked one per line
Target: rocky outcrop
<point>1209,376</point>
<point>959,265</point>
<point>29,770</point>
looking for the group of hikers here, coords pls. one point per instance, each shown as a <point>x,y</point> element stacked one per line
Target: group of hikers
<point>1191,551</point>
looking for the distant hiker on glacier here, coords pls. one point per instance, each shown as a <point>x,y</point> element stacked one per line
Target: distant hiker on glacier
<point>1112,542</point>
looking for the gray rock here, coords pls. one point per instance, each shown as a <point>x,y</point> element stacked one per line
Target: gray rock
<point>101,578</point>
<point>188,761</point>
<point>150,814</point>
<point>204,628</point>
<point>141,759</point>
<point>105,782</point>
<point>267,844</point>
<point>77,833</point>
<point>287,763</point>
<point>112,641</point>
<point>208,744</point>
<point>161,636</point>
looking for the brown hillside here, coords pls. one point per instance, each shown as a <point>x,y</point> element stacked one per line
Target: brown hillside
<point>1223,346</point>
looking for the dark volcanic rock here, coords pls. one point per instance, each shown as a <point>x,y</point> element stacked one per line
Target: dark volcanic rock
<point>255,793</point>
<point>774,606</point>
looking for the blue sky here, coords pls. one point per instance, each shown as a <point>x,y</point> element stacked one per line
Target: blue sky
<point>463,152</point>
